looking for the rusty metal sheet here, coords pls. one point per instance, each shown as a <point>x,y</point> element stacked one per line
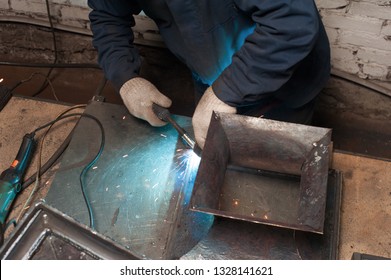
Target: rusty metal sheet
<point>264,171</point>
<point>233,239</point>
<point>47,234</point>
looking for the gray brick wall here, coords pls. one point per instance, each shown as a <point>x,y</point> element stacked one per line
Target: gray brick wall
<point>359,30</point>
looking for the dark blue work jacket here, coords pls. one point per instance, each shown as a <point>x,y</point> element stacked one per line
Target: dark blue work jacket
<point>246,49</point>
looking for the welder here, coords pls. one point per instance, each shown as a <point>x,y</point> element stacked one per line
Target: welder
<point>254,57</point>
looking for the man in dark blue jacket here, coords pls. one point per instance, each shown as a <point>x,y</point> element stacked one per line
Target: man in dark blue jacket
<point>255,57</point>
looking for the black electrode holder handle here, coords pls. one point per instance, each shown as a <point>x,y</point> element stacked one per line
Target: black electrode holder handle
<point>165,115</point>
<point>5,96</point>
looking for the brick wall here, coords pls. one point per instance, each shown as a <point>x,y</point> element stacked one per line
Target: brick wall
<point>359,30</point>
<point>360,36</point>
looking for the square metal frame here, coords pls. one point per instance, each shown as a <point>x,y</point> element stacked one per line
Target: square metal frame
<point>268,153</point>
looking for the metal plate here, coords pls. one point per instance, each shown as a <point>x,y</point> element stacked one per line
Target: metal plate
<point>231,239</point>
<point>47,234</point>
<point>140,187</point>
<point>264,171</point>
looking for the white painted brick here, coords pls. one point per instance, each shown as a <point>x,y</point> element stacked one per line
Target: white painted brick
<point>353,23</point>
<point>343,58</point>
<point>331,4</point>
<point>74,12</point>
<point>333,35</point>
<point>386,29</point>
<point>370,10</point>
<point>365,40</point>
<point>4,5</point>
<point>348,66</point>
<point>77,3</point>
<point>60,1</point>
<point>377,2</point>
<point>343,52</point>
<point>375,71</point>
<point>29,7</point>
<point>80,3</point>
<point>367,55</point>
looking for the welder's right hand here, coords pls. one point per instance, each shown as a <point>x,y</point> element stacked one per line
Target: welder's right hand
<point>138,96</point>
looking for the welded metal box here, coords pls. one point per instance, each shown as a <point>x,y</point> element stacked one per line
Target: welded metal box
<point>264,171</point>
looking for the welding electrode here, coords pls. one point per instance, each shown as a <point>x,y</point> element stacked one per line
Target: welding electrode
<point>165,115</point>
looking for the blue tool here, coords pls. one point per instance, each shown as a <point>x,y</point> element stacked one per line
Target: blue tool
<point>11,180</point>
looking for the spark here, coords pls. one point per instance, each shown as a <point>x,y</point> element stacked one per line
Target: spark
<point>124,117</point>
<point>124,156</point>
<point>95,167</point>
<point>1,80</point>
<point>162,135</point>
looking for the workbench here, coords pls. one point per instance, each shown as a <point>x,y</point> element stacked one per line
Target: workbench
<point>365,216</point>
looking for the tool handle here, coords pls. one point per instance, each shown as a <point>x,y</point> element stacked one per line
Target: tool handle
<point>165,115</point>
<point>24,154</point>
<point>11,178</point>
<point>161,112</point>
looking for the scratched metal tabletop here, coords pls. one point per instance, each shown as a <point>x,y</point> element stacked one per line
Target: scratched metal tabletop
<point>140,190</point>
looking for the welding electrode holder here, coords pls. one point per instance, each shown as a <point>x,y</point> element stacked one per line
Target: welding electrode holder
<point>11,180</point>
<point>165,115</point>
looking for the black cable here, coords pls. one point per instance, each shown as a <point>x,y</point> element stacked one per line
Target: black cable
<point>50,161</point>
<point>90,164</point>
<point>29,79</point>
<point>101,86</point>
<point>50,65</point>
<point>45,83</point>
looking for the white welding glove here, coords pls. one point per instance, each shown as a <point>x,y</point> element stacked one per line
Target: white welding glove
<point>138,96</point>
<point>209,102</point>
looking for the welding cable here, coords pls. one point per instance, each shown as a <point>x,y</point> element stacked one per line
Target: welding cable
<point>30,78</point>
<point>90,164</point>
<point>56,155</point>
<point>101,86</point>
<point>51,65</point>
<point>38,173</point>
<point>44,85</point>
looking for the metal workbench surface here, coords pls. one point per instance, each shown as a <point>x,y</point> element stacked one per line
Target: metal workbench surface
<point>365,216</point>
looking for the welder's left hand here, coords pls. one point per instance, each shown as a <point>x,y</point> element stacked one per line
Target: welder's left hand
<point>203,113</point>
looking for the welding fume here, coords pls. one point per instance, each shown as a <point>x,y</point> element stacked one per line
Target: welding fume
<point>256,58</point>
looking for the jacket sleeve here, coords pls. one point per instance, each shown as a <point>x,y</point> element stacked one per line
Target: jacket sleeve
<point>111,23</point>
<point>285,33</point>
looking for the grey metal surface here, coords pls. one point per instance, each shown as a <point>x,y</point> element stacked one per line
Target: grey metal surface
<point>47,234</point>
<point>139,188</point>
<point>264,171</point>
<point>241,240</point>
